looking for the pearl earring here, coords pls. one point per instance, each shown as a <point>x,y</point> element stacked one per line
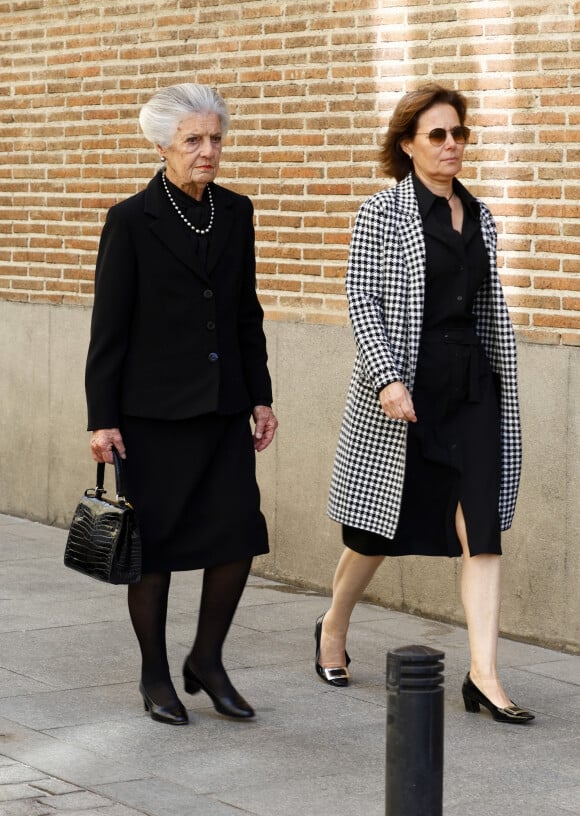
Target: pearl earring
<point>162,158</point>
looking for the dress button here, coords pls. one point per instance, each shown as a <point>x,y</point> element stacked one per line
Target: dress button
<point>210,325</point>
<point>207,293</point>
<point>213,357</point>
<point>459,298</point>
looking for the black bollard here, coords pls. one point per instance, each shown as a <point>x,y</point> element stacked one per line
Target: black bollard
<point>414,773</point>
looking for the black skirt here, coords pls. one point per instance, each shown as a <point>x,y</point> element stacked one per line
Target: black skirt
<point>453,455</point>
<point>193,485</point>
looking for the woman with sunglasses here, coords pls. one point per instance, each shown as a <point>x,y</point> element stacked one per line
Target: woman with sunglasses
<point>429,455</point>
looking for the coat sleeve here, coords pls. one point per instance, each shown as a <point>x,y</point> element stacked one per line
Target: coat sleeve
<point>366,292</point>
<point>115,293</point>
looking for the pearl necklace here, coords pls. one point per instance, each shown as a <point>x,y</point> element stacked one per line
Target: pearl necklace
<point>181,215</point>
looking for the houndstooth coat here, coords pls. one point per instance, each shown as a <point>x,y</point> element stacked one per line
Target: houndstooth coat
<point>386,287</point>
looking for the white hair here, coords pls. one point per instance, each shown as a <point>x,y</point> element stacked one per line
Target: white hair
<point>160,117</point>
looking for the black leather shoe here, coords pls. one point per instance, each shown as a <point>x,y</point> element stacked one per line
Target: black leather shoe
<point>473,698</point>
<point>232,705</point>
<point>338,676</point>
<point>172,715</point>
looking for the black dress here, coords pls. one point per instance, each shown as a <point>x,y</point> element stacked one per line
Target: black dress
<point>453,450</point>
<point>192,481</point>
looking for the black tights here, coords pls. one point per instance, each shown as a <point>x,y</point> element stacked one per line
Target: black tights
<point>222,589</point>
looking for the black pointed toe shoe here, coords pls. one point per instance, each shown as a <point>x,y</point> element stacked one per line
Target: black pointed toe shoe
<point>171,715</point>
<point>231,704</point>
<point>473,698</point>
<point>338,676</point>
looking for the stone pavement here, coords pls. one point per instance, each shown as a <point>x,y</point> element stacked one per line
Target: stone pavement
<point>74,737</point>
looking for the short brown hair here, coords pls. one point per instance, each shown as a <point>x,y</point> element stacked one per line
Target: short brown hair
<point>403,124</point>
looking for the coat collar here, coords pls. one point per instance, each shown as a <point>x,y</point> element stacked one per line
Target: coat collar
<point>406,199</point>
<point>411,223</point>
<point>173,233</point>
<point>412,242</point>
<point>410,226</point>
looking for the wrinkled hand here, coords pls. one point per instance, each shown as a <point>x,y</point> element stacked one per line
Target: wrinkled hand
<point>396,402</point>
<point>266,424</point>
<point>102,442</point>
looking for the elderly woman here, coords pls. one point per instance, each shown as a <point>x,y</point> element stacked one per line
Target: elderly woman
<point>176,366</point>
<point>428,459</point>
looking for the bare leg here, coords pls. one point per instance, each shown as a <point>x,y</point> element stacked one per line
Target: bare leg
<point>352,576</point>
<point>480,593</point>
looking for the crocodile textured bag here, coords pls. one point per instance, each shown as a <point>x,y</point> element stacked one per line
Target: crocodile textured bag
<point>103,540</point>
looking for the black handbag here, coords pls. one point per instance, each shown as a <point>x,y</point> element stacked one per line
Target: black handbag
<point>103,541</point>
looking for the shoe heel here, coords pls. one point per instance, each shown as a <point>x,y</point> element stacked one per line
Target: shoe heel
<point>191,686</point>
<point>471,705</point>
<point>190,681</point>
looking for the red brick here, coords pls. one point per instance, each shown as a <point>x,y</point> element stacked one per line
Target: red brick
<point>537,336</point>
<point>521,301</point>
<point>522,281</point>
<point>557,321</point>
<point>569,339</point>
<point>561,283</point>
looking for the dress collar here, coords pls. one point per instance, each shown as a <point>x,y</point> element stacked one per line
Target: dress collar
<point>426,199</point>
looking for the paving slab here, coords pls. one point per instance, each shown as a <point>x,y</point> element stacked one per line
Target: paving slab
<point>74,737</point>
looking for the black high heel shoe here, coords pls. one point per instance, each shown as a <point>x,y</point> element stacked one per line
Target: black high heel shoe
<point>336,677</point>
<point>473,698</point>
<point>171,715</point>
<point>232,705</point>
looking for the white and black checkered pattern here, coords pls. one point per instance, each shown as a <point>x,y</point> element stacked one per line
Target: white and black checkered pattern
<point>386,287</point>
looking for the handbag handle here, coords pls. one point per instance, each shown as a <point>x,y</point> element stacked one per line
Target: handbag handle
<point>119,465</point>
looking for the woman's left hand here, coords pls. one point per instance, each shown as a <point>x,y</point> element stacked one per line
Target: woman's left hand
<point>266,424</point>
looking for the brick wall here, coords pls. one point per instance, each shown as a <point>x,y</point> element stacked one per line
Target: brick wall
<point>310,86</point>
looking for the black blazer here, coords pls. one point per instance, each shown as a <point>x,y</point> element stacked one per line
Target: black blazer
<point>169,341</point>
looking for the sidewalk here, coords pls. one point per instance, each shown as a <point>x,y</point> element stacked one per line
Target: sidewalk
<point>74,737</point>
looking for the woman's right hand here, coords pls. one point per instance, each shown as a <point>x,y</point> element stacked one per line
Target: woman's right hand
<point>396,402</point>
<point>102,442</point>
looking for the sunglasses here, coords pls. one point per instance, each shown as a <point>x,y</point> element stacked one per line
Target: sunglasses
<point>437,136</point>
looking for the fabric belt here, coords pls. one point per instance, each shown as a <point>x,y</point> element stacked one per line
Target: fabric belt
<point>460,337</point>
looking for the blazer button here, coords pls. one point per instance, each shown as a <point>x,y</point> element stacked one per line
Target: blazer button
<point>207,293</point>
<point>210,325</point>
<point>213,357</point>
